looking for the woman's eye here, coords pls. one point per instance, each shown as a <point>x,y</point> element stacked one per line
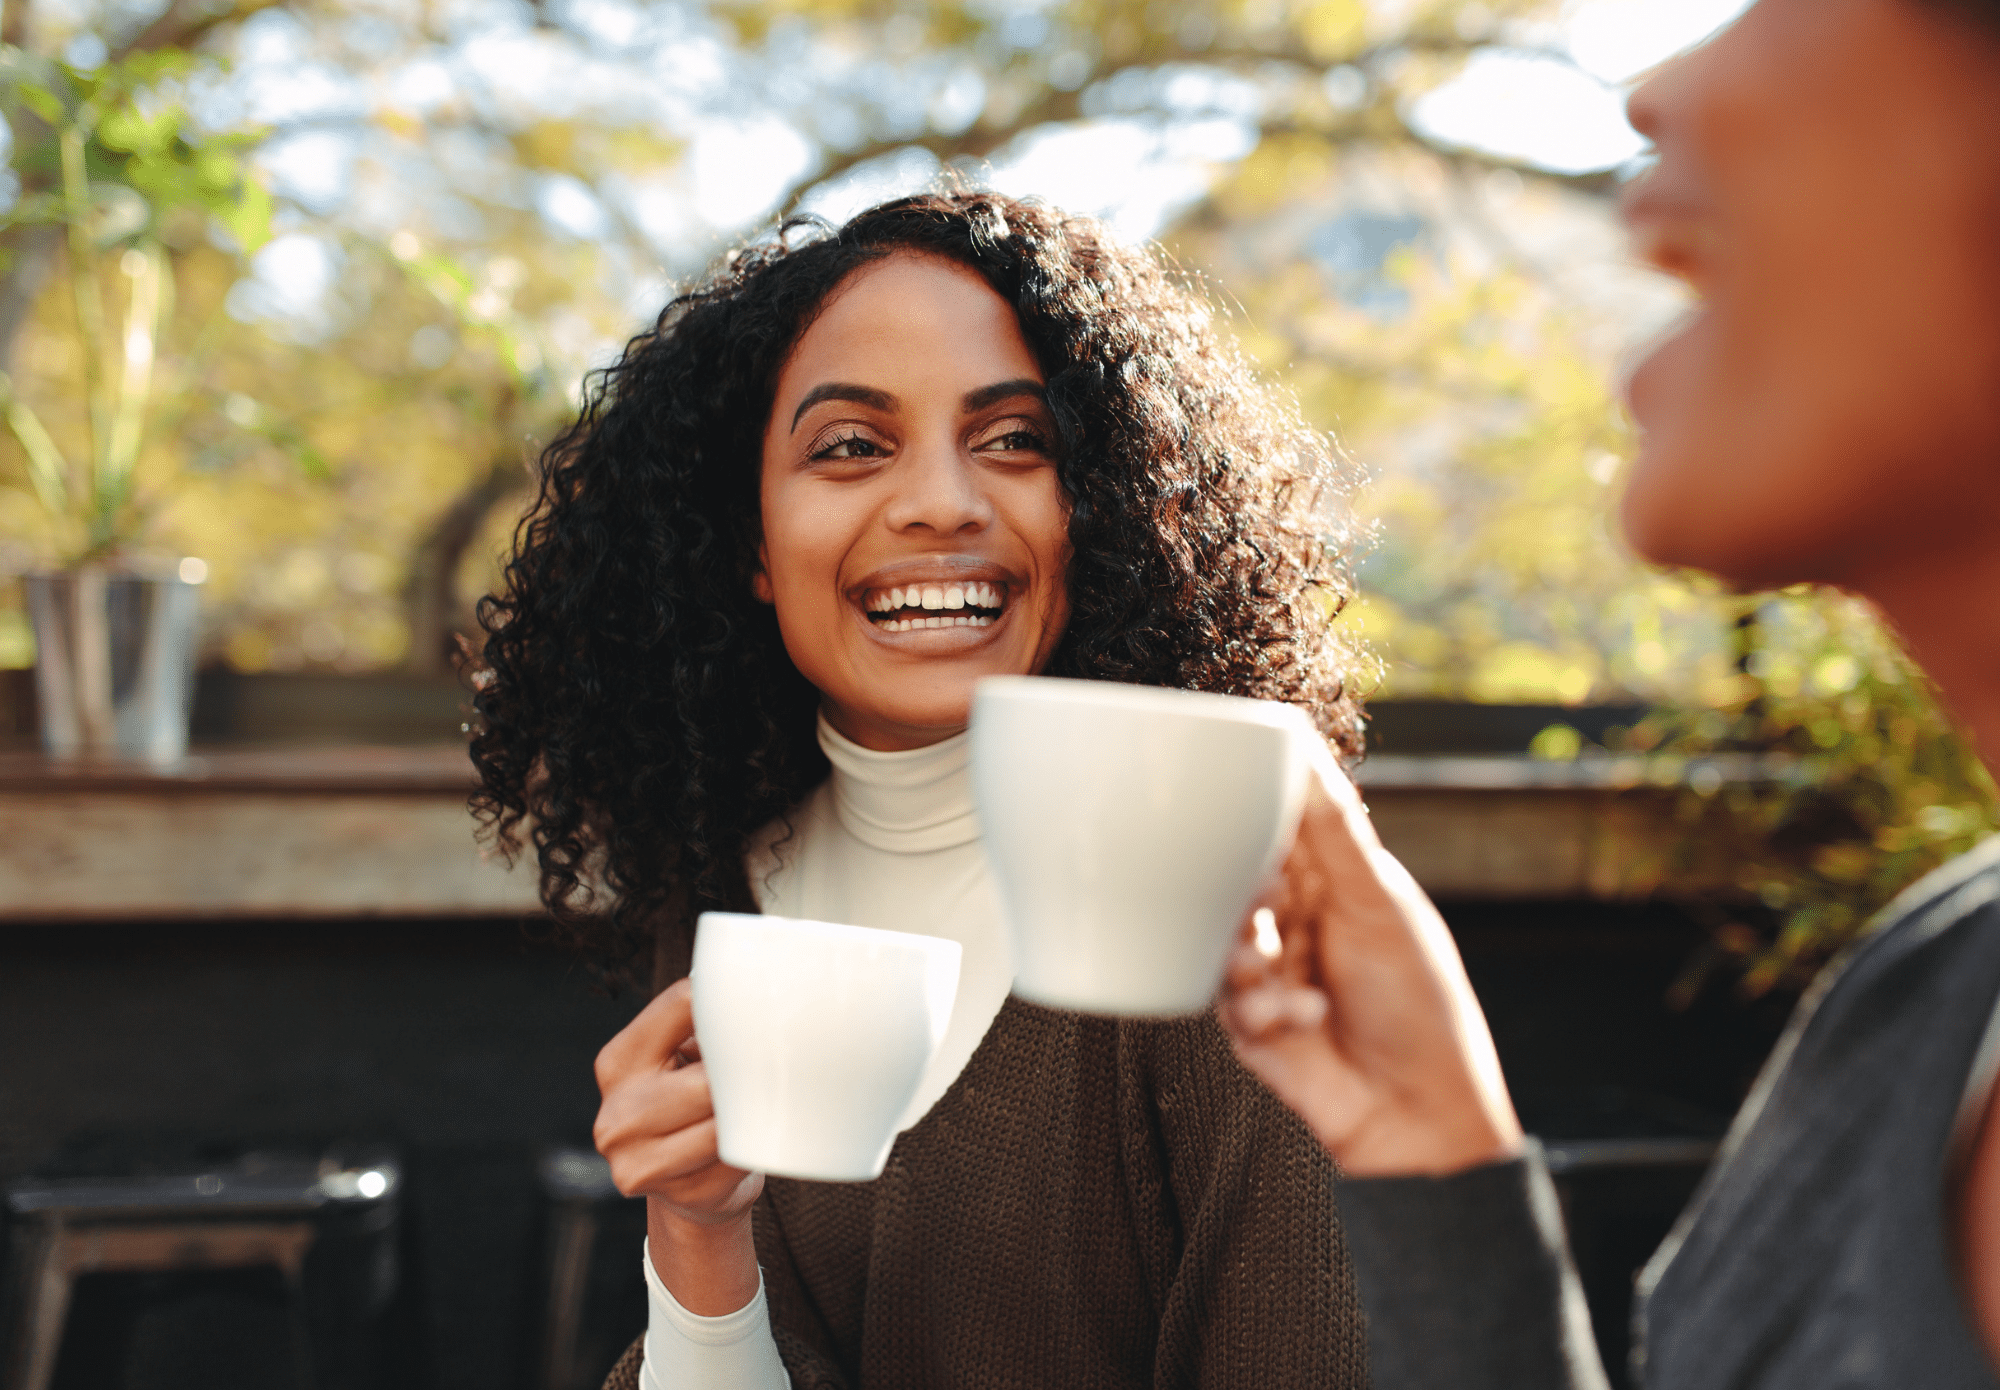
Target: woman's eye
<point>852,447</point>
<point>1017,441</point>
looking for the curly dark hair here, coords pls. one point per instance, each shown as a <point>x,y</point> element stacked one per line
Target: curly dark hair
<point>639,711</point>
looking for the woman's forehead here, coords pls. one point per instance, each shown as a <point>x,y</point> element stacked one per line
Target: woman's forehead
<point>910,322</point>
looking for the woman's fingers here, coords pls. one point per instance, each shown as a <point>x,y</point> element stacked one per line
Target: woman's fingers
<point>1248,966</point>
<point>651,1039</point>
<point>650,1104</point>
<point>1265,1011</point>
<point>657,1164</point>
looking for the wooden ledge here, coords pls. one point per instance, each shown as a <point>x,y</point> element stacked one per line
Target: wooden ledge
<point>431,770</point>
<point>235,833</point>
<point>355,832</point>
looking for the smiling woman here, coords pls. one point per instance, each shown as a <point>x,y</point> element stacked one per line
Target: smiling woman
<point>840,481</point>
<point>915,532</point>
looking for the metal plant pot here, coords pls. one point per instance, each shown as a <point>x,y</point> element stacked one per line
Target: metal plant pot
<point>114,662</point>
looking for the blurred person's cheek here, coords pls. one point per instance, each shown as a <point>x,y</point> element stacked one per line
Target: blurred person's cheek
<point>1829,173</point>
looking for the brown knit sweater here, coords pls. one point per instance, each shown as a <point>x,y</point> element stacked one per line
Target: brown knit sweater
<point>1093,1204</point>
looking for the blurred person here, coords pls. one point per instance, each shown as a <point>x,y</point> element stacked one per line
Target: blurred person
<point>848,474</point>
<point>1828,181</point>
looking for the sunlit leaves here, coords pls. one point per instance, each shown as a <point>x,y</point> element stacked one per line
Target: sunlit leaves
<point>1879,787</point>
<point>1331,31</point>
<point>142,161</point>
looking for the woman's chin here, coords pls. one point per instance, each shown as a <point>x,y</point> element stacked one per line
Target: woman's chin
<point>889,726</point>
<point>1669,501</point>
<point>1661,385</point>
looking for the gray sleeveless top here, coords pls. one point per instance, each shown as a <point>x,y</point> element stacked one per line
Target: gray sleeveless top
<point>1818,1255</point>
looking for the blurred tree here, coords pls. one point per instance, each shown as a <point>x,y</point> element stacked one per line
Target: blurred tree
<point>1861,787</point>
<point>544,178</point>
<point>476,202</point>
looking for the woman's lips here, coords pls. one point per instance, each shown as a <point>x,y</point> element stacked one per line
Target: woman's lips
<point>1671,230</point>
<point>934,593</point>
<point>907,608</point>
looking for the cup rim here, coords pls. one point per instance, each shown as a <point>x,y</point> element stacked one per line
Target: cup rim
<point>1065,690</point>
<point>836,931</point>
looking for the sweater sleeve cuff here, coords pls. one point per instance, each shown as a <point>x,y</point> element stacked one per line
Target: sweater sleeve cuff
<point>685,1351</point>
<point>1467,1280</point>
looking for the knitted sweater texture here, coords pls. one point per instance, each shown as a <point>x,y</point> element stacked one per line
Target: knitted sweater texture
<point>1093,1204</point>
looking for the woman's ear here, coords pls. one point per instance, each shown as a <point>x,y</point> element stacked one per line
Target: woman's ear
<point>760,578</point>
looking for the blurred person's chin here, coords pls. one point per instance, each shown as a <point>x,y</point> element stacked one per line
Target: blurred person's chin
<point>1719,485</point>
<point>1766,463</point>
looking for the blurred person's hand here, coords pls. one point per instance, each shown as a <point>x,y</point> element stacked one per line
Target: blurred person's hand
<point>656,1125</point>
<point>1358,1013</point>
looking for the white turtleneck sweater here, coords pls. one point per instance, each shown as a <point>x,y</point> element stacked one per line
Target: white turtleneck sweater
<point>890,841</point>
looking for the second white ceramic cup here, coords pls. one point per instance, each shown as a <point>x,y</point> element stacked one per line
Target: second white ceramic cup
<point>815,1035</point>
<point>1129,829</point>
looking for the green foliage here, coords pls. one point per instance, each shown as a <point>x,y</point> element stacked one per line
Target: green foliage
<point>106,155</point>
<point>140,160</point>
<point>1867,786</point>
<point>1481,401</point>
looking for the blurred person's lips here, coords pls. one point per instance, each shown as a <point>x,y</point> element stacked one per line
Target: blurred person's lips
<point>1671,230</point>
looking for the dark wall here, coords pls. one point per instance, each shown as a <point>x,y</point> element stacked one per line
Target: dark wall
<point>1576,994</point>
<point>472,1049</point>
<point>461,1043</point>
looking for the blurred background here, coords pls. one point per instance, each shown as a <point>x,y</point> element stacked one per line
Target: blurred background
<point>394,236</point>
<point>292,294</point>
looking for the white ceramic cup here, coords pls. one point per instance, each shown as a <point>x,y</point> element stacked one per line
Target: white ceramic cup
<point>815,1035</point>
<point>1130,829</point>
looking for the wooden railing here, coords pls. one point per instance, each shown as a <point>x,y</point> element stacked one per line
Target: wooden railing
<point>346,832</point>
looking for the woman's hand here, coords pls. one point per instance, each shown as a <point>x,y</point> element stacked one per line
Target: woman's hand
<point>1358,1015</point>
<point>657,1127</point>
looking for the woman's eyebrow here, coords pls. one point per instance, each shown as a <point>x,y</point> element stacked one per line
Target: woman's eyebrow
<point>1003,390</point>
<point>844,391</point>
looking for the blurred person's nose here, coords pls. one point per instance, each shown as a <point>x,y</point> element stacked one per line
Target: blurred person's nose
<point>1661,105</point>
<point>1650,106</point>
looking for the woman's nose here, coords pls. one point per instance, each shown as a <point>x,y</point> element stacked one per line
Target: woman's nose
<point>1649,107</point>
<point>1660,104</point>
<point>938,490</point>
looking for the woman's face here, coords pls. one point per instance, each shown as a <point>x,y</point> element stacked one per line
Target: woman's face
<point>915,534</point>
<point>1829,184</point>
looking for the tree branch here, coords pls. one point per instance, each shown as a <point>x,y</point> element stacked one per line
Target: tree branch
<point>431,596</point>
<point>186,22</point>
<point>1378,122</point>
<point>14,23</point>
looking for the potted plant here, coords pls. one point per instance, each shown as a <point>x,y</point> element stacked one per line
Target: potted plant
<point>103,159</point>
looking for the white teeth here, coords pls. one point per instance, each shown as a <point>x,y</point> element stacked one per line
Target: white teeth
<point>924,624</point>
<point>937,598</point>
